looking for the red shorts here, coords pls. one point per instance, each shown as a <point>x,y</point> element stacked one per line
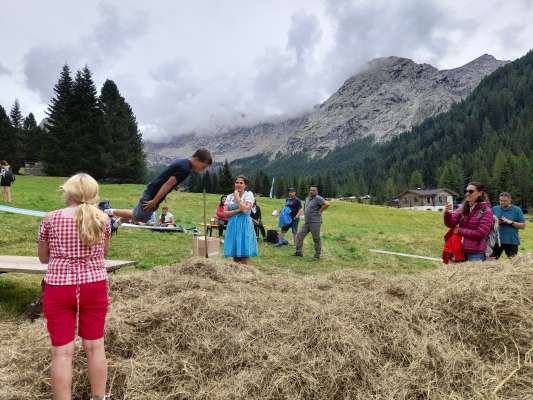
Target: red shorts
<point>60,307</point>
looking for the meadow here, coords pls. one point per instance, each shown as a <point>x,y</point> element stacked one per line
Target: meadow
<point>348,232</point>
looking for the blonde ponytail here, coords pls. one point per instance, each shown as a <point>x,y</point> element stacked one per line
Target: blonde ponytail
<point>82,189</point>
<point>90,224</point>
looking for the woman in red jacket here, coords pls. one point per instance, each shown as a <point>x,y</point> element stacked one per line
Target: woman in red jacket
<point>473,221</point>
<point>221,218</point>
<point>73,242</point>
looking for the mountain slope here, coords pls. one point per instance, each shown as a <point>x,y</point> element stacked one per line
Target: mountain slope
<point>487,137</point>
<point>390,96</point>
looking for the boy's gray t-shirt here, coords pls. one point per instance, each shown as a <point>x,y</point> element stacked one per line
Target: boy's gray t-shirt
<point>312,207</point>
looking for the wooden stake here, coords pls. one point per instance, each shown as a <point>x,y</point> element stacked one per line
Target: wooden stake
<point>205,226</point>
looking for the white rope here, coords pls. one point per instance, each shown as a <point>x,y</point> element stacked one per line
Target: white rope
<point>392,253</point>
<point>22,211</point>
<point>41,214</point>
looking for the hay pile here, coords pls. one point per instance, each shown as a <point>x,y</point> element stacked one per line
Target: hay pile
<point>209,330</point>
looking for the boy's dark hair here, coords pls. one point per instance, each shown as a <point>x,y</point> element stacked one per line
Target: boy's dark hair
<point>203,155</point>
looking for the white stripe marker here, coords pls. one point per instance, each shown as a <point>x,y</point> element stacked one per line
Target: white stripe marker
<point>392,253</point>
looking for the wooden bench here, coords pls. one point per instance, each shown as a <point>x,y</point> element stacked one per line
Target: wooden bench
<point>32,265</point>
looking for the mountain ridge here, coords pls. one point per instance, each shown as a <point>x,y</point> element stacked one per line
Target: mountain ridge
<point>389,96</point>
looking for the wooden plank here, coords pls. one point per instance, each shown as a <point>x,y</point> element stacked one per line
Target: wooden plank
<point>31,265</point>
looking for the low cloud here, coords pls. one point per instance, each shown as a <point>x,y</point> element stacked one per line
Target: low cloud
<point>195,76</point>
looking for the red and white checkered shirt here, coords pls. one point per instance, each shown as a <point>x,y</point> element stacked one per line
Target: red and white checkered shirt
<point>71,262</point>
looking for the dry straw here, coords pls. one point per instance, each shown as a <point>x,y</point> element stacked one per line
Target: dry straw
<point>209,330</point>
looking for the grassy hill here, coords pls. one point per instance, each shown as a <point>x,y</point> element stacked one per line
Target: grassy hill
<point>349,231</point>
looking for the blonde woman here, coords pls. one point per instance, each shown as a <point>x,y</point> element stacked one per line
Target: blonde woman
<point>73,242</point>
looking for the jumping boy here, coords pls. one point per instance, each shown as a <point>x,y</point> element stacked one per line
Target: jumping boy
<point>157,190</point>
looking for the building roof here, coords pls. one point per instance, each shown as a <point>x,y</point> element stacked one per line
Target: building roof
<point>428,192</point>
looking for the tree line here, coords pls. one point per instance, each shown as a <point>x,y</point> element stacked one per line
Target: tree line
<point>221,181</point>
<point>83,131</point>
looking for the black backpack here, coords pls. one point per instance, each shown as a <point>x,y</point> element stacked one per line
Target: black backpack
<point>272,236</point>
<point>9,177</point>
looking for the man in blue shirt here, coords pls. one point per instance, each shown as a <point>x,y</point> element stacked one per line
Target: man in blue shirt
<point>158,189</point>
<point>511,219</point>
<point>295,205</point>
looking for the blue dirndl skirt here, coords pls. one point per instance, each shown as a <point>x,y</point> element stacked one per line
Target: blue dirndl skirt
<point>240,240</point>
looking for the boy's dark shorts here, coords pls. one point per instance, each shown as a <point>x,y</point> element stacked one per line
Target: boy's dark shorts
<point>293,226</point>
<point>138,213</point>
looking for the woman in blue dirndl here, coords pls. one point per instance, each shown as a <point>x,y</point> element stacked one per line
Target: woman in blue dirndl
<point>240,241</point>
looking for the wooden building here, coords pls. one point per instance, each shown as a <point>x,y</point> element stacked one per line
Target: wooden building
<point>426,198</point>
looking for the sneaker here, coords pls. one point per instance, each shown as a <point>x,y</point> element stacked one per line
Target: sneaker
<point>315,258</point>
<point>279,244</point>
<point>284,242</point>
<point>298,255</point>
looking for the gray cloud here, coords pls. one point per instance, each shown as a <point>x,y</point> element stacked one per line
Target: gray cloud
<point>377,28</point>
<point>105,42</point>
<point>204,69</point>
<point>183,103</point>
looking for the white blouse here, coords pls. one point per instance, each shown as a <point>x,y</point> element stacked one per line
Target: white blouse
<point>247,197</point>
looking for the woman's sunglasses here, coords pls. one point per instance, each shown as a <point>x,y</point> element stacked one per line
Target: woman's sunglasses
<point>469,191</point>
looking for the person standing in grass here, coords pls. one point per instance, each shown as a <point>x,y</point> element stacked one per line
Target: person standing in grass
<point>295,205</point>
<point>313,208</point>
<point>510,220</point>
<point>240,241</point>
<point>257,220</point>
<point>473,221</point>
<point>73,242</point>
<point>157,190</point>
<point>6,180</point>
<point>222,220</point>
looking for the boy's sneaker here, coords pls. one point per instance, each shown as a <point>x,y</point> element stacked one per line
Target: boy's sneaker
<point>298,255</point>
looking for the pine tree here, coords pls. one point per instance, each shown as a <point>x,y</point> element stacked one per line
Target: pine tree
<point>280,189</point>
<point>267,182</point>
<point>124,159</point>
<point>7,137</point>
<point>29,122</point>
<point>88,150</point>
<point>415,180</point>
<point>390,190</point>
<point>16,116</point>
<point>302,189</point>
<point>225,179</point>
<point>502,172</point>
<point>206,182</point>
<point>521,180</point>
<point>452,176</point>
<point>32,139</point>
<point>55,153</point>
<point>215,187</point>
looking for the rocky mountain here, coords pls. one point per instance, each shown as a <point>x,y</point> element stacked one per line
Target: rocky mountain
<point>390,96</point>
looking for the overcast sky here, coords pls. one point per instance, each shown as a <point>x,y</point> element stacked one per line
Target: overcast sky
<point>204,65</point>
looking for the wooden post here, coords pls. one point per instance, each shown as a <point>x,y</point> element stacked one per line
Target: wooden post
<point>205,226</point>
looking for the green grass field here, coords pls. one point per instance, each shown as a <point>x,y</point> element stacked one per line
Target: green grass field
<point>348,232</point>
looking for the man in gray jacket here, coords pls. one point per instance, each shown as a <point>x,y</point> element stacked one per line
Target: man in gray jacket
<point>313,208</point>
